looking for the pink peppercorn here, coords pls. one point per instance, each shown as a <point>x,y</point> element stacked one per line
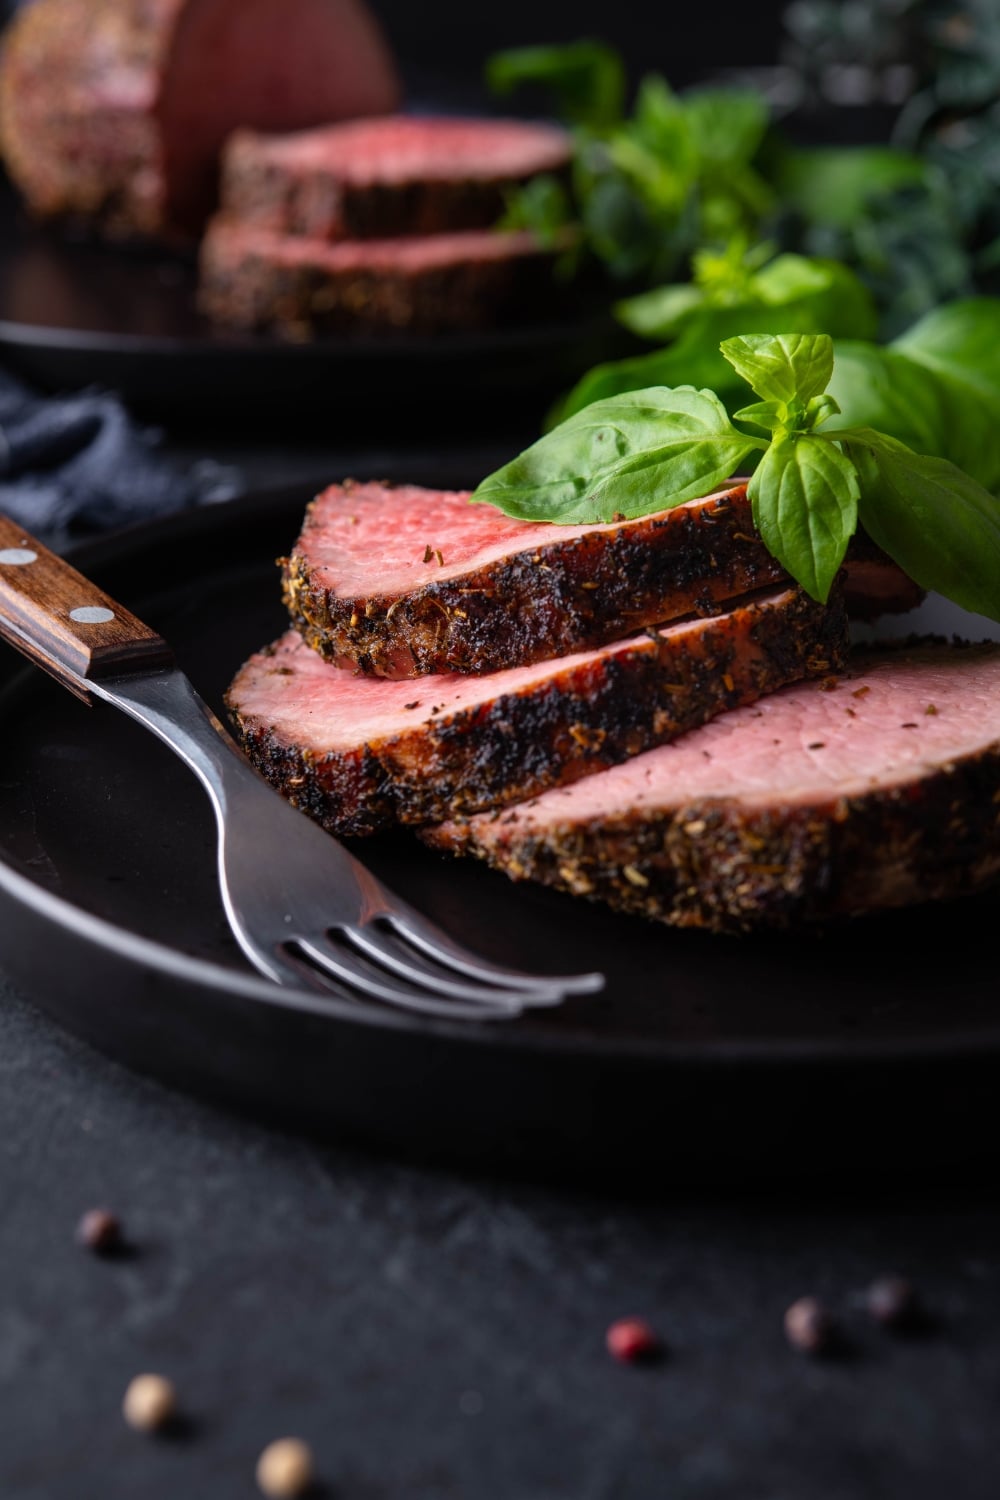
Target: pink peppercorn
<point>632,1340</point>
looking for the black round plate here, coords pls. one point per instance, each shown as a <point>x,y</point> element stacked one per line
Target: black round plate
<point>75,311</point>
<point>704,1055</point>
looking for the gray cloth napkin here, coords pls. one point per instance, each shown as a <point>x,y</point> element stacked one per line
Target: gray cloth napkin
<point>78,463</point>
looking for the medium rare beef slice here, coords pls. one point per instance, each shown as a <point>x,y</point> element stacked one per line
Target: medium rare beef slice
<point>359,753</point>
<point>375,178</point>
<point>115,111</point>
<point>402,581</point>
<point>252,278</point>
<point>817,803</point>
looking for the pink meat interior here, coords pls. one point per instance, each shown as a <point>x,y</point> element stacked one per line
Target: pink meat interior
<point>402,148</point>
<point>266,65</point>
<point>903,714</point>
<point>306,701</point>
<point>374,540</point>
<point>409,254</point>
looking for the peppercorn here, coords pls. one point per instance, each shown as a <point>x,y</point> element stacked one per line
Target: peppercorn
<point>893,1302</point>
<point>632,1340</point>
<point>100,1230</point>
<point>150,1403</point>
<point>809,1326</point>
<point>285,1469</point>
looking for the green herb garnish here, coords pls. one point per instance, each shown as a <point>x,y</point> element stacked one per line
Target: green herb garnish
<point>811,485</point>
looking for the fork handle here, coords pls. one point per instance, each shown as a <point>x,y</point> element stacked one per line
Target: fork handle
<point>63,622</point>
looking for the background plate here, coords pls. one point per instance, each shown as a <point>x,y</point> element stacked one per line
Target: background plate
<point>704,1055</point>
<point>76,312</point>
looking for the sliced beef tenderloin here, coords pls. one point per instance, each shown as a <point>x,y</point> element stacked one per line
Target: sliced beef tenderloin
<point>254,279</point>
<point>402,581</point>
<point>115,111</point>
<point>359,753</point>
<point>820,802</point>
<point>371,179</point>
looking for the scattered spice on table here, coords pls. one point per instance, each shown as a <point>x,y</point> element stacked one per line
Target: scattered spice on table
<point>894,1302</point>
<point>632,1341</point>
<point>150,1403</point>
<point>285,1469</point>
<point>809,1326</point>
<point>100,1230</point>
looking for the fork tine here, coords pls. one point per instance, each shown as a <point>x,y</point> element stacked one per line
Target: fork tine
<point>370,986</point>
<point>376,946</point>
<point>436,944</point>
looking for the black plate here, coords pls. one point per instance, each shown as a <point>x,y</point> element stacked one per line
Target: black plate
<point>704,1054</point>
<point>76,312</point>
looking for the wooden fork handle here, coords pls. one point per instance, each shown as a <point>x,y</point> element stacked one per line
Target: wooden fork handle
<point>63,622</point>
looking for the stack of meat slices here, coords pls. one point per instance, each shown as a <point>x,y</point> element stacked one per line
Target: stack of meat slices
<point>375,224</point>
<point>644,712</point>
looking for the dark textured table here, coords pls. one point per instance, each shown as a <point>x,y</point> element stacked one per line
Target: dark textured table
<point>435,1336</point>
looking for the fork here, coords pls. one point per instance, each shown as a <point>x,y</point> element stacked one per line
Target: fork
<point>304,911</point>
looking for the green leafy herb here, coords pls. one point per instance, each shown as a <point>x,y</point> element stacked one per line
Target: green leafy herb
<point>939,525</point>
<point>653,449</point>
<point>790,293</point>
<point>586,77</point>
<point>653,185</point>
<point>926,407</point>
<point>621,457</point>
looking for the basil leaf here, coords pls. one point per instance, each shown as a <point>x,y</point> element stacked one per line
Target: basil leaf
<point>833,184</point>
<point>586,77</point>
<point>661,313</point>
<point>790,295</point>
<point>804,493</point>
<point>684,363</point>
<point>770,415</point>
<point>629,456</point>
<point>927,409</point>
<point>961,339</point>
<point>784,366</point>
<point>939,525</point>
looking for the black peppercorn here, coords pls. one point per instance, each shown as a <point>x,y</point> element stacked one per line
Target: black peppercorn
<point>893,1302</point>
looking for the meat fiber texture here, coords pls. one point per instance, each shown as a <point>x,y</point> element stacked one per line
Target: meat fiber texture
<point>252,278</point>
<point>401,581</point>
<point>361,753</point>
<point>820,802</point>
<point>114,112</point>
<point>376,178</point>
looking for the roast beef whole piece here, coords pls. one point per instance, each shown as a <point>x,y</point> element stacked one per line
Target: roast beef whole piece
<point>371,179</point>
<point>820,802</point>
<point>255,279</point>
<point>115,111</point>
<point>360,753</point>
<point>401,581</point>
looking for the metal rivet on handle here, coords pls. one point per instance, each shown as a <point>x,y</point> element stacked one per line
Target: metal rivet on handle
<point>91,614</point>
<point>17,557</point>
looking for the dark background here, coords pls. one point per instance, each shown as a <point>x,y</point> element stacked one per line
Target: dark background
<point>442,47</point>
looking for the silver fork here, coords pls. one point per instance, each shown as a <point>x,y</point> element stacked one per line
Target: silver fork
<point>303,910</point>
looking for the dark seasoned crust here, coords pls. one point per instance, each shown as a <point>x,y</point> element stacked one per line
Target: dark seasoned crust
<point>568,595</point>
<point>732,868</point>
<point>585,715</point>
<point>252,279</point>
<point>78,81</point>
<point>259,188</point>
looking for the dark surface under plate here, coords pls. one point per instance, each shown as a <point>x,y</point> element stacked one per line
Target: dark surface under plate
<point>704,1054</point>
<point>77,312</point>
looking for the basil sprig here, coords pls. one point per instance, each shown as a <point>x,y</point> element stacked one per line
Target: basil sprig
<point>652,449</point>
